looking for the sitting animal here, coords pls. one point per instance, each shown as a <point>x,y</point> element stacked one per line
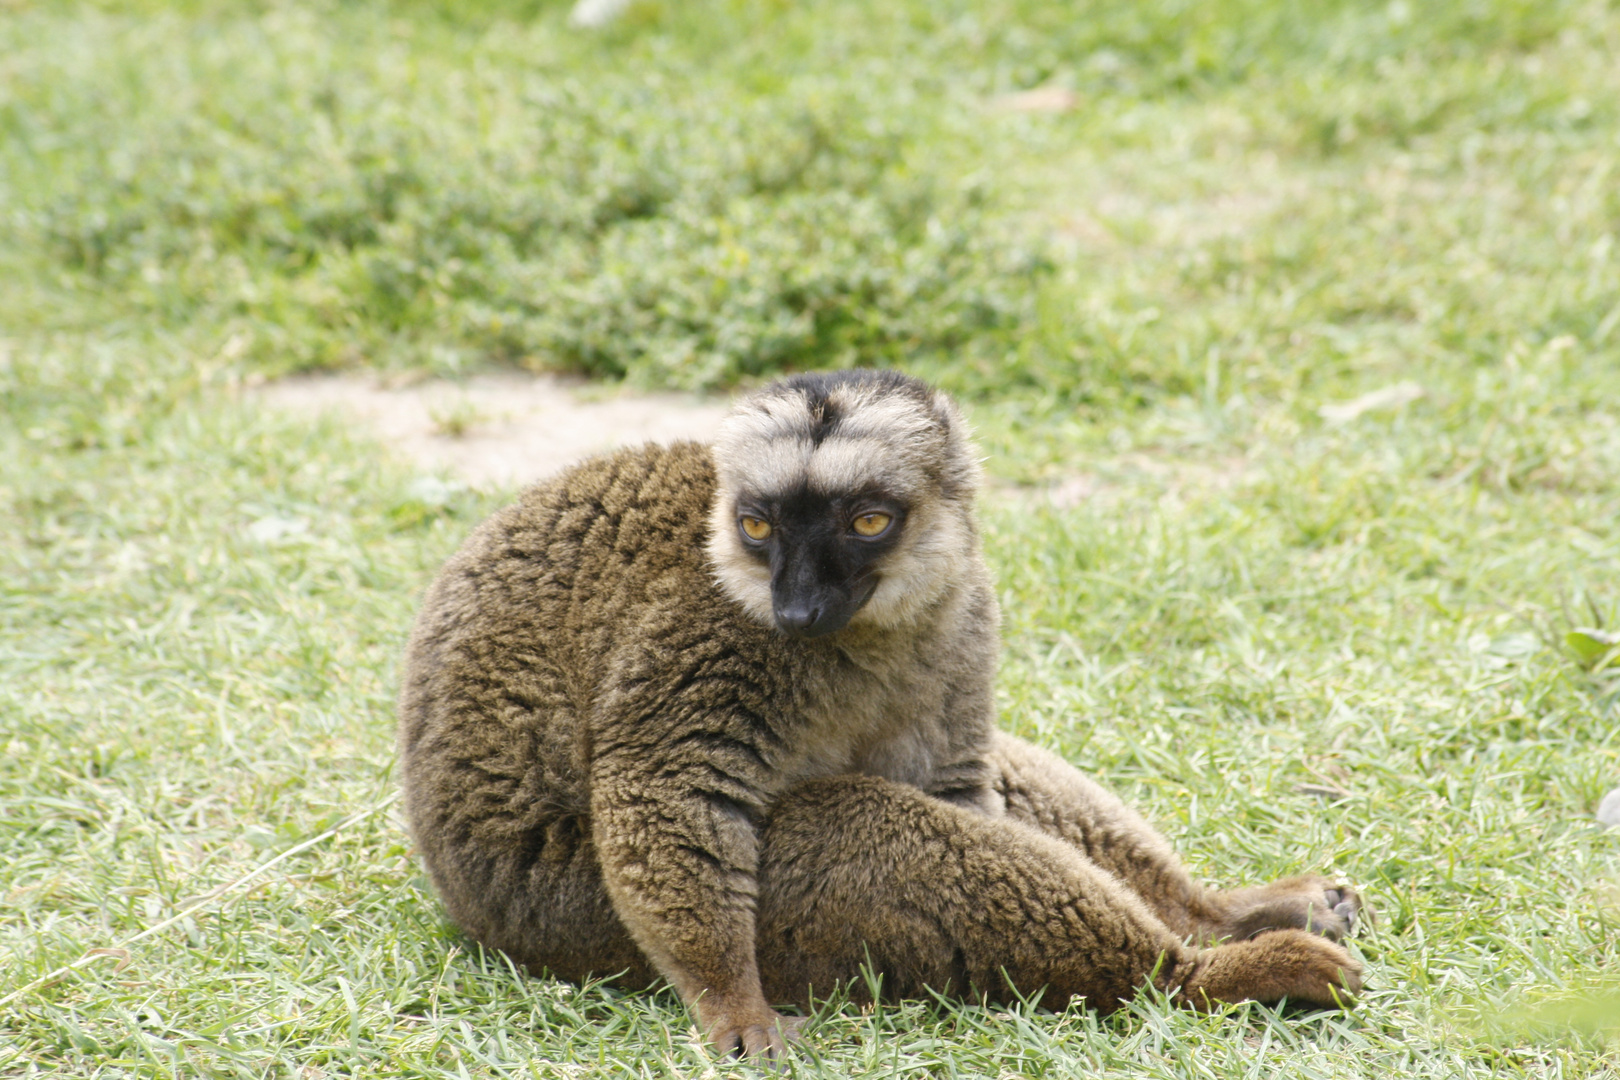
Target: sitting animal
<point>723,716</point>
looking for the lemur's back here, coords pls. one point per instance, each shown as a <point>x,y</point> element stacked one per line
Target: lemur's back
<point>512,645</point>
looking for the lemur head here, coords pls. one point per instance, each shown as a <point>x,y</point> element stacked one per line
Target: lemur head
<point>843,499</point>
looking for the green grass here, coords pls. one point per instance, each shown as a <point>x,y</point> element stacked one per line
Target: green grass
<point>1253,213</point>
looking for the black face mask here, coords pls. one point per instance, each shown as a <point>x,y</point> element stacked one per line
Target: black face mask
<point>823,553</point>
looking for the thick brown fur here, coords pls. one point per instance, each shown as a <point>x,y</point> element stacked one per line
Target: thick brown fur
<point>614,762</point>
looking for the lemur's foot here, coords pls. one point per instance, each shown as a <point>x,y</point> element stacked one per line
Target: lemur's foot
<point>1293,964</point>
<point>1315,904</point>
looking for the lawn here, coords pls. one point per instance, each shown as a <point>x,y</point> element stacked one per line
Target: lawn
<point>1292,337</point>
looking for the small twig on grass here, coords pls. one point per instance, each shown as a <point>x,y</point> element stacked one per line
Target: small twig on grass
<point>121,953</point>
<point>1326,791</point>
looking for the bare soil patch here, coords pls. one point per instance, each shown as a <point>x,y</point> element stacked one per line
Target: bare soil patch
<point>498,430</point>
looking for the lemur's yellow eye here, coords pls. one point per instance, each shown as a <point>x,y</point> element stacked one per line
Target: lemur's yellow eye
<point>755,528</point>
<point>872,524</point>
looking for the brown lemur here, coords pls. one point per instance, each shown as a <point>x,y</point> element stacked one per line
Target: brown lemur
<point>723,715</point>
